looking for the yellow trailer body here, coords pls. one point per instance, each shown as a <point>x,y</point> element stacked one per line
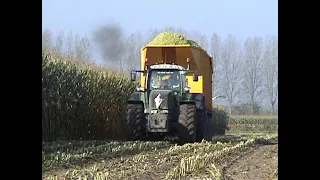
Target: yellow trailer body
<point>200,62</point>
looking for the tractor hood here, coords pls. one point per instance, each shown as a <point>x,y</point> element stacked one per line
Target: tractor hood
<point>160,99</point>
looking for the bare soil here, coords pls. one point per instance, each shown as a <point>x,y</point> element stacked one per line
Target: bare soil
<point>260,162</point>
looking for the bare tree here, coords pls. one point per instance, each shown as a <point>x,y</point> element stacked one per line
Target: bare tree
<point>133,46</point>
<point>271,70</point>
<point>199,38</point>
<point>79,51</point>
<point>59,43</point>
<point>231,63</point>
<point>70,46</point>
<point>87,47</point>
<point>252,71</point>
<point>83,49</point>
<point>216,56</point>
<point>47,45</point>
<point>152,33</point>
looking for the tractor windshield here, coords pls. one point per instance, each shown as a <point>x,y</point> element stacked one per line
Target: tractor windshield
<point>165,79</point>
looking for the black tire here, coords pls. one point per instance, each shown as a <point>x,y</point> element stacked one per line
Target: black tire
<point>209,128</point>
<point>135,123</point>
<point>186,123</point>
<point>201,125</point>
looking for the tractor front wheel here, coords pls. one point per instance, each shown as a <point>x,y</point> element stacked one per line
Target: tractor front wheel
<point>134,122</point>
<point>186,123</point>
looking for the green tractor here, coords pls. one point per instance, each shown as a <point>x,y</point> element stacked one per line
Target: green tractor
<point>165,107</point>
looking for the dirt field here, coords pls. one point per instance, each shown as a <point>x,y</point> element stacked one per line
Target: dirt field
<point>260,162</point>
<point>243,156</point>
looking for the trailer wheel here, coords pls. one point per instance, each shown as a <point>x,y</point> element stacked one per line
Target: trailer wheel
<point>201,125</point>
<point>210,128</point>
<point>186,123</point>
<point>134,122</point>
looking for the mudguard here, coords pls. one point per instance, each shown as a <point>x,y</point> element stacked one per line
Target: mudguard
<point>135,96</point>
<point>199,99</point>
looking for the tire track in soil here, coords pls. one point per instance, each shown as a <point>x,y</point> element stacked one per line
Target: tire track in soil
<point>160,171</point>
<point>258,163</point>
<point>156,171</point>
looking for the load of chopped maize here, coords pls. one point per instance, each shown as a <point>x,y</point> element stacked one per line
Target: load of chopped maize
<point>172,38</point>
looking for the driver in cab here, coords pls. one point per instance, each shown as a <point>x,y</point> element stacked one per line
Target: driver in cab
<point>174,80</point>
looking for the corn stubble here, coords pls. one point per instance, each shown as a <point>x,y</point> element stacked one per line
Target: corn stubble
<point>171,162</point>
<point>196,162</point>
<point>65,155</point>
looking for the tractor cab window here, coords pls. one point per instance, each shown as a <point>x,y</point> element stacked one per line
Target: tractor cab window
<point>164,79</point>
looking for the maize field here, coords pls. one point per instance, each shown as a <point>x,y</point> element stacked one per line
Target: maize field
<point>253,123</point>
<point>81,101</point>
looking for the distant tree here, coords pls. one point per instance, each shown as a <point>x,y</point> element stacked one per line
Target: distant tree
<point>231,63</point>
<point>215,43</point>
<point>199,38</point>
<point>70,46</point>
<point>59,43</point>
<point>77,48</point>
<point>83,49</point>
<point>133,46</point>
<point>152,33</point>
<point>271,70</point>
<point>47,44</point>
<point>252,70</point>
<point>87,47</point>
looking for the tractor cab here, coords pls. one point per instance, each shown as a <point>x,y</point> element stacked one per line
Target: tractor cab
<point>166,77</point>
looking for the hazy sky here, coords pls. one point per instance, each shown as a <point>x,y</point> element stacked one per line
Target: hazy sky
<point>242,18</point>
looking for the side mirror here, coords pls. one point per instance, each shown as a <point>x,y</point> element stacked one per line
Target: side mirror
<point>195,77</point>
<point>133,75</point>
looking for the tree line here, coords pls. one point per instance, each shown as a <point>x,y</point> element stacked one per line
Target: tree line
<point>245,73</point>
